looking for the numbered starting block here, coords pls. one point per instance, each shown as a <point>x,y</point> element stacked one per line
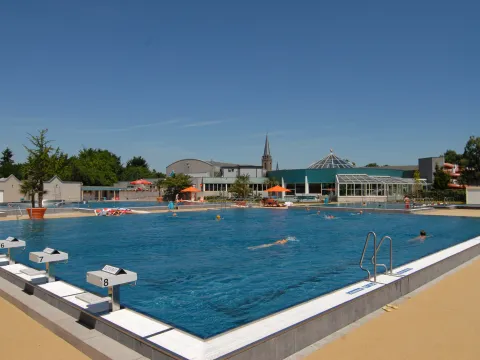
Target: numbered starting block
<point>112,277</point>
<point>8,244</point>
<point>49,257</point>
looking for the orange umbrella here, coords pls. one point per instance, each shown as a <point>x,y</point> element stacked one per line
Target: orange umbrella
<point>278,189</point>
<point>190,189</point>
<point>141,182</point>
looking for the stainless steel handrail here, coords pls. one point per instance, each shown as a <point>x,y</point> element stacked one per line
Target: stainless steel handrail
<point>374,259</point>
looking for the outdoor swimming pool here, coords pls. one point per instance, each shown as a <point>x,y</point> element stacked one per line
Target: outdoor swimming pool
<point>198,274</point>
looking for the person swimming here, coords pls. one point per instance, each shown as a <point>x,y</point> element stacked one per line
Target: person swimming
<point>423,235</point>
<point>174,214</point>
<point>329,217</point>
<point>218,217</point>
<point>278,242</point>
<point>318,212</point>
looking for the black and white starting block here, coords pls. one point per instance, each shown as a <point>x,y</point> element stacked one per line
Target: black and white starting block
<point>49,257</point>
<point>10,243</point>
<point>112,277</point>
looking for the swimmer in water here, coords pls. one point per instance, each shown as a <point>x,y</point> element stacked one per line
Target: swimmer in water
<point>329,217</point>
<point>318,212</point>
<point>218,217</point>
<point>307,208</point>
<point>278,242</point>
<point>422,237</point>
<point>174,214</point>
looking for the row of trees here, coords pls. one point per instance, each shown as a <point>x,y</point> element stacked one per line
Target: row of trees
<point>469,161</point>
<point>92,167</point>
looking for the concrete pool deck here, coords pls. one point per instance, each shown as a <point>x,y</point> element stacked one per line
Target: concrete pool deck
<point>450,212</point>
<point>86,213</point>
<point>440,321</point>
<point>24,338</point>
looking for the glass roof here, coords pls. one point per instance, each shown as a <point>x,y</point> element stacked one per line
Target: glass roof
<point>366,179</point>
<point>331,161</point>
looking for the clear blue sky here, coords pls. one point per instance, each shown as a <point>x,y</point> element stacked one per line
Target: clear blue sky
<point>377,81</point>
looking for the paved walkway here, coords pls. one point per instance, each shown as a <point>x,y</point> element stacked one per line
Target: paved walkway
<point>22,338</point>
<point>440,322</point>
<point>451,212</point>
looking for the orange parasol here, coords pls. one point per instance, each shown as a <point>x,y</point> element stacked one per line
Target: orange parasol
<point>141,182</point>
<point>278,189</point>
<point>190,189</point>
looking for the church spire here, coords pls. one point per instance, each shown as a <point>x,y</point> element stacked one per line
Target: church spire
<point>277,167</point>
<point>266,150</point>
<point>267,158</point>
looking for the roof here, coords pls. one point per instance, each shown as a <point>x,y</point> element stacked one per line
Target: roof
<point>366,179</point>
<point>331,161</point>
<point>62,181</point>
<point>400,167</point>
<point>266,150</point>
<point>8,177</point>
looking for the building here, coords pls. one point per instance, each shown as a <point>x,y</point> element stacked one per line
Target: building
<point>427,166</point>
<point>10,189</point>
<point>56,190</point>
<point>214,178</point>
<point>473,195</point>
<point>339,179</point>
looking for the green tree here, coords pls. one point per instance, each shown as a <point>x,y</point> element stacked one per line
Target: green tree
<point>271,182</point>
<point>39,164</point>
<point>172,185</point>
<point>241,187</point>
<point>417,187</point>
<point>29,188</point>
<point>136,172</point>
<point>441,179</point>
<point>137,161</point>
<point>471,162</point>
<point>96,167</point>
<point>452,157</point>
<point>60,165</point>
<point>372,165</point>
<point>7,164</point>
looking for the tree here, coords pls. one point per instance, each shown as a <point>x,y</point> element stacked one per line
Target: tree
<point>137,161</point>
<point>96,167</point>
<point>471,162</point>
<point>372,165</point>
<point>441,179</point>
<point>172,185</point>
<point>136,172</point>
<point>418,186</point>
<point>29,189</point>
<point>6,163</point>
<point>38,165</point>
<point>241,187</point>
<point>271,182</point>
<point>452,157</point>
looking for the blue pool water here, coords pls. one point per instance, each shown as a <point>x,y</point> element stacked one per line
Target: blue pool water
<point>198,274</point>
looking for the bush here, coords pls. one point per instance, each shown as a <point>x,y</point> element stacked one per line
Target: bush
<point>457,195</point>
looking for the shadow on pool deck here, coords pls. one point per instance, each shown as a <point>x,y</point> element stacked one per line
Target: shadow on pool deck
<point>440,321</point>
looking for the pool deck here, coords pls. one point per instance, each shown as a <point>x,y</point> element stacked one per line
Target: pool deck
<point>439,321</point>
<point>78,214</point>
<point>451,212</point>
<point>24,338</point>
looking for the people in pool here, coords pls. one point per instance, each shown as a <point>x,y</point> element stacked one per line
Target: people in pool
<point>278,242</point>
<point>423,235</point>
<point>329,217</point>
<point>174,214</point>
<point>218,217</point>
<point>318,212</point>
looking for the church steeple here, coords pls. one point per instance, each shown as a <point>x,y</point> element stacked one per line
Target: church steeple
<point>277,167</point>
<point>267,158</point>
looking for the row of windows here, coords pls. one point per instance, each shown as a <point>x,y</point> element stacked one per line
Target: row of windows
<point>375,189</point>
<point>223,187</point>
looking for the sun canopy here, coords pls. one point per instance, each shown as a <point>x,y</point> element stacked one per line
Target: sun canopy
<point>141,182</point>
<point>278,189</point>
<point>190,189</point>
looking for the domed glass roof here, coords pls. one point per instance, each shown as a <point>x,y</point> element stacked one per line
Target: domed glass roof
<point>331,161</point>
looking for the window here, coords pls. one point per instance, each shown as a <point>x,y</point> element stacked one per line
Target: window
<point>343,189</point>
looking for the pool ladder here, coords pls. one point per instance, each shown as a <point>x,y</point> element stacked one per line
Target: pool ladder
<point>374,257</point>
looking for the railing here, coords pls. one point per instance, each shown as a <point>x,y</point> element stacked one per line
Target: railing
<point>374,255</point>
<point>391,254</point>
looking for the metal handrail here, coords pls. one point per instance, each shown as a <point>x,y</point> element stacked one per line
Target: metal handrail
<point>374,255</point>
